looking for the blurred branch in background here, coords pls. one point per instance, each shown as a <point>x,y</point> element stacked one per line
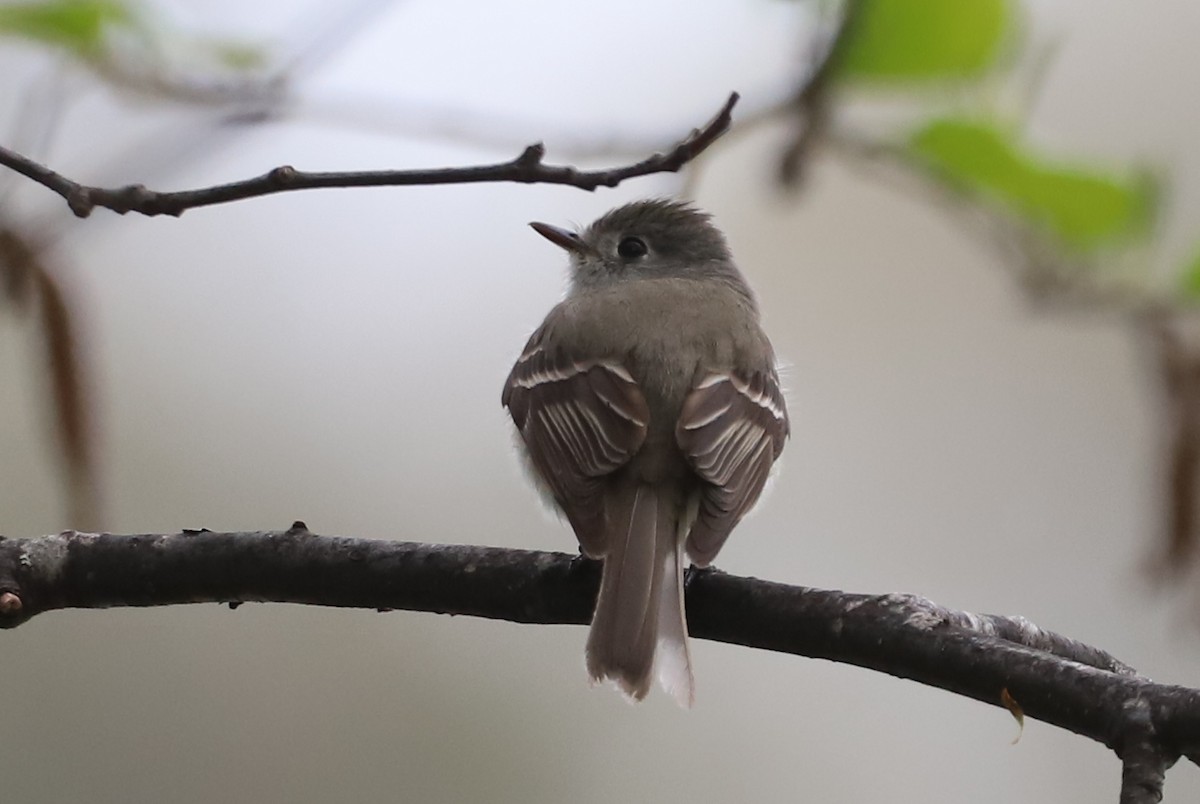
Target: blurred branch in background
<point>1078,237</point>
<point>144,58</point>
<point>1003,661</point>
<point>32,289</point>
<point>809,106</point>
<point>1179,373</point>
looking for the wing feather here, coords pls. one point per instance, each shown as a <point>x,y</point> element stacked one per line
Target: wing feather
<point>581,420</point>
<point>731,429</point>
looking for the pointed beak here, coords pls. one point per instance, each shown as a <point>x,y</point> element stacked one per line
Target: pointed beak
<point>561,237</point>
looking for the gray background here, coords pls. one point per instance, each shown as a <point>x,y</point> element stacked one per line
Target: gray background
<point>337,356</point>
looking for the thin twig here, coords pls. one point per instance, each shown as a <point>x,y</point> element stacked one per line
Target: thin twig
<point>528,168</point>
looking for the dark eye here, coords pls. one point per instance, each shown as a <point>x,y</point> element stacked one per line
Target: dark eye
<point>632,247</point>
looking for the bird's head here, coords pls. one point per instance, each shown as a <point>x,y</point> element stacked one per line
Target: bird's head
<point>644,240</point>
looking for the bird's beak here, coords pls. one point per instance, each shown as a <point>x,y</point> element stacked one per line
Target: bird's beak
<point>561,237</point>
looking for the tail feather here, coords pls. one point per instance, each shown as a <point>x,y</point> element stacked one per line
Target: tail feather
<point>640,607</point>
<point>674,664</point>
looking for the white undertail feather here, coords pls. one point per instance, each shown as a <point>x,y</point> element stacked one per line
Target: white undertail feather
<point>673,664</point>
<point>639,612</point>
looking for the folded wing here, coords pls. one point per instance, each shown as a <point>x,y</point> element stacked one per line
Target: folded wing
<point>731,429</point>
<point>581,420</point>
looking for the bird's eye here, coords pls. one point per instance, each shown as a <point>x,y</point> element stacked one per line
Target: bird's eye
<point>632,247</point>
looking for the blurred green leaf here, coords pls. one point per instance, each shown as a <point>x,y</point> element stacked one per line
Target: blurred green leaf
<point>78,25</point>
<point>1084,208</point>
<point>914,40</point>
<point>238,55</point>
<point>1190,283</point>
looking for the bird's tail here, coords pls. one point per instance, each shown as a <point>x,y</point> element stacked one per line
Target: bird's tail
<point>639,612</point>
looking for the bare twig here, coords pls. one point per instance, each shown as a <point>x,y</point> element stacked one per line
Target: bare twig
<point>528,168</point>
<point>1050,677</point>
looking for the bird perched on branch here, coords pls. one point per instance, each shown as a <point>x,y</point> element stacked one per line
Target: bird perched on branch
<point>650,410</point>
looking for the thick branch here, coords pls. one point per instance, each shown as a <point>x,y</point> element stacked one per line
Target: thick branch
<point>1143,763</point>
<point>1050,677</point>
<point>528,168</point>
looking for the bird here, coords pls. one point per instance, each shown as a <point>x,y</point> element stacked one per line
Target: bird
<point>650,412</point>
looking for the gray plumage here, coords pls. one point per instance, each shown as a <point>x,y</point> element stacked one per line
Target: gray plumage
<point>650,409</point>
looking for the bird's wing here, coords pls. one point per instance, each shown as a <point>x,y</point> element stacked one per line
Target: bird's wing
<point>731,429</point>
<point>581,420</point>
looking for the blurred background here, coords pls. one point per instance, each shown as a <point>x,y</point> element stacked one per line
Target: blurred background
<point>970,281</point>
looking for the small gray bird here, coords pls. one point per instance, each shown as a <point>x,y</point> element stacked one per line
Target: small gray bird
<point>651,412</point>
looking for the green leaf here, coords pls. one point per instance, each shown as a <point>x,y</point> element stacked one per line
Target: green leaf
<point>1084,208</point>
<point>238,55</point>
<point>1190,281</point>
<point>77,25</point>
<point>920,40</point>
